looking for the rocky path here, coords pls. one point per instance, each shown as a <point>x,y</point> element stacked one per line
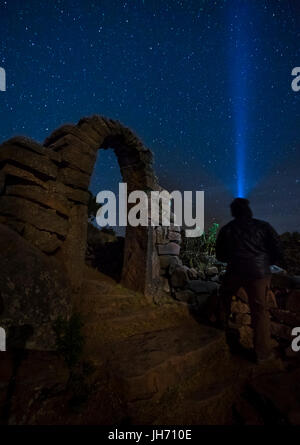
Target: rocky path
<point>166,367</point>
<point>152,365</point>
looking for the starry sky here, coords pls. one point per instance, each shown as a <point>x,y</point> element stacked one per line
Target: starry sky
<point>205,84</point>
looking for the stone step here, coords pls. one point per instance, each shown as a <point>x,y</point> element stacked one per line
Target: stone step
<point>109,327</point>
<point>103,300</point>
<point>145,366</point>
<point>211,405</point>
<point>207,397</point>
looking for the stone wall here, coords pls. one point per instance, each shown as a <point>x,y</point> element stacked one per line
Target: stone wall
<point>44,196</point>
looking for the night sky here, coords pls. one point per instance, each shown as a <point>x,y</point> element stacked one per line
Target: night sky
<point>205,84</point>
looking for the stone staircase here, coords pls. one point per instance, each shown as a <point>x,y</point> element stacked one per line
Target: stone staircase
<point>165,366</point>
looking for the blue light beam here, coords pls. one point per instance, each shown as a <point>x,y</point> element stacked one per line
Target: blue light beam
<point>239,98</point>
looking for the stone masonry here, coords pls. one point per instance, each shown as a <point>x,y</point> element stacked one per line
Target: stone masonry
<point>44,196</point>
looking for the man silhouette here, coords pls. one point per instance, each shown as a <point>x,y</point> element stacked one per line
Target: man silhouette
<point>249,247</point>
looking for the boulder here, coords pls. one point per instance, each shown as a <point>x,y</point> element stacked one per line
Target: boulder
<point>203,287</point>
<point>201,300</point>
<point>179,277</point>
<point>211,271</point>
<point>168,249</point>
<point>242,295</point>
<point>242,319</point>
<point>187,296</point>
<point>34,291</point>
<point>174,236</point>
<point>192,273</point>
<point>281,331</point>
<point>239,307</point>
<point>201,275</point>
<point>168,262</point>
<point>166,285</point>
<point>286,317</point>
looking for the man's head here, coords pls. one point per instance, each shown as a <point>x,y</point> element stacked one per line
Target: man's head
<point>240,208</point>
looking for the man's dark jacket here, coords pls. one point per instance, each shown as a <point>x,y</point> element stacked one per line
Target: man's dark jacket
<point>249,247</point>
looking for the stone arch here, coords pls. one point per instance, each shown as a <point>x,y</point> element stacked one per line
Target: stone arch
<point>78,146</point>
<point>44,195</point>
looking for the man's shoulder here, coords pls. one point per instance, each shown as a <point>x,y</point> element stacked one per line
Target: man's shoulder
<point>227,226</point>
<point>261,223</point>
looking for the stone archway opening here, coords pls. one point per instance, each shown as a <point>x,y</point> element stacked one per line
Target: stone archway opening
<point>105,245</point>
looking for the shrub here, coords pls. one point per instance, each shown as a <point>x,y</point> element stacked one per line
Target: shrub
<point>195,249</point>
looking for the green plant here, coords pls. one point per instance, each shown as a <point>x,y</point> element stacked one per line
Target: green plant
<point>194,249</point>
<point>210,239</point>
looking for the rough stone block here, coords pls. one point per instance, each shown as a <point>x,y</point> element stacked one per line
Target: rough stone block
<point>280,330</point>
<point>28,160</point>
<point>168,249</point>
<point>33,213</point>
<point>193,274</point>
<point>240,307</point>
<point>21,175</point>
<point>75,195</point>
<point>186,296</point>
<point>169,260</point>
<point>174,236</point>
<point>203,287</point>
<point>70,129</point>
<point>242,319</point>
<point>47,242</point>
<point>285,317</point>
<point>211,271</point>
<point>34,290</point>
<point>75,178</point>
<point>242,295</point>
<point>37,194</point>
<point>179,277</point>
